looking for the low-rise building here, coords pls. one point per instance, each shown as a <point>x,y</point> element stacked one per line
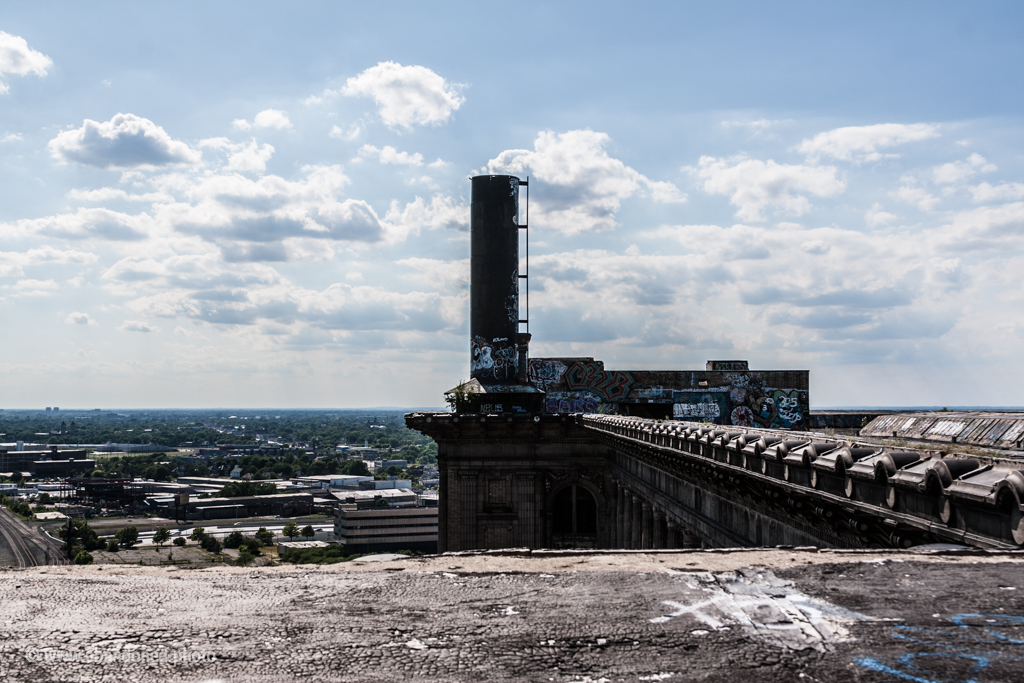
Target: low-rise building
<point>20,460</point>
<point>367,499</point>
<point>324,481</point>
<point>382,529</point>
<point>285,505</point>
<point>61,468</point>
<point>285,547</point>
<point>370,484</point>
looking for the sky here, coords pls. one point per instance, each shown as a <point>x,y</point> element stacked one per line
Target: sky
<point>266,204</point>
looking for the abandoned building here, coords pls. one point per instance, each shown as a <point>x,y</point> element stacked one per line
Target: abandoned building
<point>565,453</point>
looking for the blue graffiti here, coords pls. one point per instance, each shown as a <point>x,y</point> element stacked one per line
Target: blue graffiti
<point>908,661</point>
<point>907,668</point>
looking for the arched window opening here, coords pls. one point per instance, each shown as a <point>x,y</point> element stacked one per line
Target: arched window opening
<point>574,518</point>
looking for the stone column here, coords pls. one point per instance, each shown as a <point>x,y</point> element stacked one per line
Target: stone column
<point>627,519</point>
<point>659,529</point>
<point>636,541</point>
<point>648,528</point>
<point>671,535</point>
<point>619,514</point>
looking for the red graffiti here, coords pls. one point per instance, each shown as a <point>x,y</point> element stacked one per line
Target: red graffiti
<point>611,386</point>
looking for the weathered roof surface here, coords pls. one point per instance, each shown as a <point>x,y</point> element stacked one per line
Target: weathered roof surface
<point>990,429</point>
<point>687,616</point>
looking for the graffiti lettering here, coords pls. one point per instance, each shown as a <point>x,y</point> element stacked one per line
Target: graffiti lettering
<point>611,386</point>
<point>703,411</point>
<point>494,360</point>
<point>545,373</point>
<point>571,402</point>
<point>652,393</point>
<point>788,407</point>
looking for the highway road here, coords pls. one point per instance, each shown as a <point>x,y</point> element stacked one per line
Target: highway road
<point>324,530</point>
<point>247,528</point>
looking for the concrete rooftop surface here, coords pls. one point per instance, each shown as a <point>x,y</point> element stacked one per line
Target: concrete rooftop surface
<point>754,615</point>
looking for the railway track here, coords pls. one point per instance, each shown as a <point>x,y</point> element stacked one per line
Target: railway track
<point>21,540</point>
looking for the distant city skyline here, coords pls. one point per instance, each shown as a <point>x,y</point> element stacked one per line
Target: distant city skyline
<point>255,205</point>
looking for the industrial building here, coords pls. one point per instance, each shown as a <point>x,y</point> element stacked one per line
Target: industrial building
<point>382,529</point>
<point>29,461</point>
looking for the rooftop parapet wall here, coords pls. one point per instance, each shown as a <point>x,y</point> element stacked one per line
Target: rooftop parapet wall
<point>891,496</point>
<point>987,429</point>
<point>771,398</point>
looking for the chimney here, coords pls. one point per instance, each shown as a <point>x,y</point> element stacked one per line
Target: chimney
<point>498,351</point>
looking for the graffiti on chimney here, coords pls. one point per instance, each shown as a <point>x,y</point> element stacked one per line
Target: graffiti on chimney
<point>497,359</point>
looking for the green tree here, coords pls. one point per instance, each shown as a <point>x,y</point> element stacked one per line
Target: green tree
<point>83,558</point>
<point>78,529</point>
<point>211,544</point>
<point>245,557</point>
<point>127,536</point>
<point>381,502</point>
<point>291,530</point>
<point>308,531</point>
<point>234,539</point>
<point>355,467</point>
<point>458,398</point>
<point>112,546</point>
<point>264,536</point>
<point>236,489</point>
<point>198,534</point>
<point>161,535</point>
<point>179,541</point>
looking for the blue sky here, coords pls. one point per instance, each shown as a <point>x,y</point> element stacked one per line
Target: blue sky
<point>254,204</point>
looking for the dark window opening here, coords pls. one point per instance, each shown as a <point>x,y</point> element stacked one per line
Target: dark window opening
<point>574,512</point>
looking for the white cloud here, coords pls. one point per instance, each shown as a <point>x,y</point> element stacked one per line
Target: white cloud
<point>390,155</point>
<point>106,194</point>
<point>919,197</point>
<point>759,125</point>
<point>13,263</point>
<point>876,216</point>
<point>17,58</point>
<point>353,132</point>
<point>862,143</point>
<point>76,318</point>
<point>95,223</point>
<point>754,185</point>
<point>126,141</point>
<point>441,212</point>
<point>580,186</point>
<point>986,227</point>
<point>406,96</point>
<point>268,118</point>
<point>242,156</point>
<point>251,157</point>
<point>272,118</point>
<point>11,137</point>
<point>452,275</point>
<point>137,326</point>
<point>33,287</point>
<point>988,193</point>
<point>961,170</point>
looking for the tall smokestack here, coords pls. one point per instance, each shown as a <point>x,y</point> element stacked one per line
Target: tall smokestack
<point>497,349</point>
